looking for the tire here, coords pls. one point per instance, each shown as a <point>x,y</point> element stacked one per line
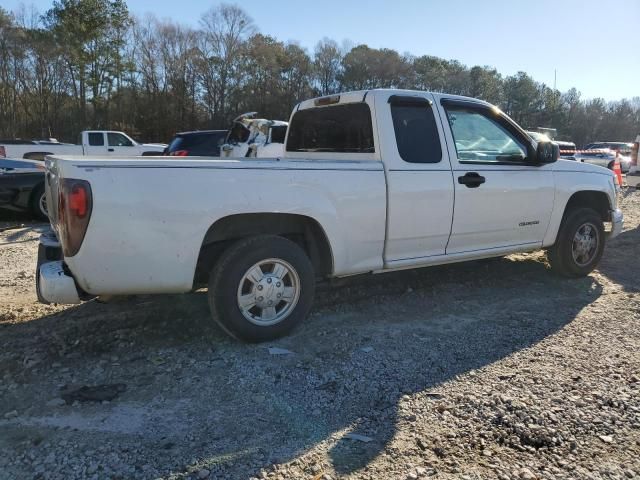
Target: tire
<point>572,257</point>
<point>38,204</point>
<point>291,292</point>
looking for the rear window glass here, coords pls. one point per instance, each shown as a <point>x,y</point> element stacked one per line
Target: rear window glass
<point>416,133</point>
<point>339,128</point>
<point>96,139</point>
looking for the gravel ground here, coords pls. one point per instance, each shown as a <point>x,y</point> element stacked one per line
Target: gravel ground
<point>494,369</point>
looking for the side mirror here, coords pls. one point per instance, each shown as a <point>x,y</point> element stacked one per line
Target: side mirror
<point>547,152</point>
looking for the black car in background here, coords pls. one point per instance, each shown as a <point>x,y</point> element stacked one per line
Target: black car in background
<point>201,143</point>
<point>22,187</point>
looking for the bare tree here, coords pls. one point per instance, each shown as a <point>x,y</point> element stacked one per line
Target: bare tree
<point>224,31</point>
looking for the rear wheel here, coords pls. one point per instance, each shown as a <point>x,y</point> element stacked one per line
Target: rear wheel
<point>579,245</point>
<point>261,288</point>
<point>39,204</point>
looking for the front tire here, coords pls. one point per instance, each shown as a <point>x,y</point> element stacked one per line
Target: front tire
<point>261,288</point>
<point>579,245</point>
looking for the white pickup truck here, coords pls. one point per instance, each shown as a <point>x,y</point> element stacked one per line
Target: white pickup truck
<point>370,182</point>
<point>91,142</point>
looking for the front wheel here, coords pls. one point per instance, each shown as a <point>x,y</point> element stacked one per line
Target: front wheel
<point>261,288</point>
<point>579,245</point>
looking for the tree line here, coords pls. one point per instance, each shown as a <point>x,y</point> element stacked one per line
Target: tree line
<point>87,64</point>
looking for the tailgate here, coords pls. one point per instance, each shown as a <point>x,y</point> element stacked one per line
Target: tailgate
<point>51,188</point>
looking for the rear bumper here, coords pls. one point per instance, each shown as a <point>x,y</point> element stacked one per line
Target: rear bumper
<point>617,222</point>
<point>54,285</point>
<point>54,282</point>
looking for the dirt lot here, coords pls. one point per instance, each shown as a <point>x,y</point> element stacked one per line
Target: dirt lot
<point>495,369</point>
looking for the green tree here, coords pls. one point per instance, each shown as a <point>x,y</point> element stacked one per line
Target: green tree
<point>92,34</point>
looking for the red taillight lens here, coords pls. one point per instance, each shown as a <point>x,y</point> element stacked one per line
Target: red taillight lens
<point>3,152</point>
<point>180,153</point>
<point>74,211</point>
<point>78,202</point>
<point>634,153</point>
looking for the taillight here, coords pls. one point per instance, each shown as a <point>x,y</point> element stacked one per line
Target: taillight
<point>74,210</point>
<point>179,153</point>
<point>3,152</point>
<point>634,153</point>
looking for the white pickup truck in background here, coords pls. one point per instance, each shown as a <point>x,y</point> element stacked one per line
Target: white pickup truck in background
<point>91,142</point>
<point>370,182</point>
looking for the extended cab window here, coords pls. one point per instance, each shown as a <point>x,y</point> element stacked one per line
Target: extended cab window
<point>118,140</point>
<point>338,128</point>
<point>478,137</point>
<point>416,132</point>
<point>96,139</point>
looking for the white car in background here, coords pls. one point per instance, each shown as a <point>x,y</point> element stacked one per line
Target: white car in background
<point>255,137</point>
<point>604,157</point>
<point>90,142</point>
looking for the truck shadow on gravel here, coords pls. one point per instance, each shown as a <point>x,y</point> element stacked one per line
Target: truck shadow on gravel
<point>368,342</point>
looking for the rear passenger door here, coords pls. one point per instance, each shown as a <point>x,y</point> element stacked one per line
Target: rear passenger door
<point>95,144</point>
<point>419,181</point>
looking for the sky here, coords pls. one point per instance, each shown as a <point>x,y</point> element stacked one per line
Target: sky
<point>592,45</point>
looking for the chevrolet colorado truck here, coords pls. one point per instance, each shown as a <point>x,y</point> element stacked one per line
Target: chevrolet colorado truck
<point>370,182</point>
<point>90,142</point>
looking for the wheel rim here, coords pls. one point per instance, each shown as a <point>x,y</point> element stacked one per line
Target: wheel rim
<point>268,292</point>
<point>585,244</point>
<point>42,204</point>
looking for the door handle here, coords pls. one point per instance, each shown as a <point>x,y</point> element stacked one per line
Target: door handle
<point>471,180</point>
<point>109,149</point>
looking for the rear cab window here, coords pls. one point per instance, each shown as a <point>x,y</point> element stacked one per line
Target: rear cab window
<point>340,128</point>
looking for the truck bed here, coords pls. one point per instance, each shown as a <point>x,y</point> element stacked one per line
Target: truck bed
<point>163,208</point>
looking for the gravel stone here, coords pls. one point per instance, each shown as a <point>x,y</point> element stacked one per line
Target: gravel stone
<point>492,369</point>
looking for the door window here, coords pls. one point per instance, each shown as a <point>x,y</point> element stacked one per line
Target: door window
<point>118,140</point>
<point>416,133</point>
<point>96,139</point>
<point>479,138</point>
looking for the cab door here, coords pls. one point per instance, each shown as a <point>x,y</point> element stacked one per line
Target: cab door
<point>95,143</point>
<point>119,144</point>
<point>503,201</point>
<point>419,181</point>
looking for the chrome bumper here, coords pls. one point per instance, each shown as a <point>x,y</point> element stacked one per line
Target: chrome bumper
<point>53,283</point>
<point>617,222</point>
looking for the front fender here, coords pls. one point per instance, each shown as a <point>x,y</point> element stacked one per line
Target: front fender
<point>571,182</point>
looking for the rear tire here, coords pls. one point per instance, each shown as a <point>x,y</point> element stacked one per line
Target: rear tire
<point>579,245</point>
<point>39,204</point>
<point>261,288</point>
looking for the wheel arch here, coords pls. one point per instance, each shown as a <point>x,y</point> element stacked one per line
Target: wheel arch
<point>36,155</point>
<point>304,230</point>
<point>596,200</point>
<point>34,190</point>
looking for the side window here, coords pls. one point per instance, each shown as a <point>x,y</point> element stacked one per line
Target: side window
<point>118,140</point>
<point>478,137</point>
<point>96,139</point>
<point>342,128</point>
<point>416,133</point>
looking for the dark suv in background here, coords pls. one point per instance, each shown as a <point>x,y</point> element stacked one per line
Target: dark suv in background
<point>200,143</point>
